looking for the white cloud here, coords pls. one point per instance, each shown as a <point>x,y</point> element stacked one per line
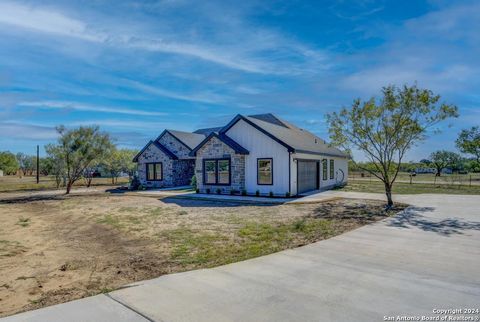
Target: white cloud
<point>244,55</point>
<point>14,130</point>
<point>85,107</point>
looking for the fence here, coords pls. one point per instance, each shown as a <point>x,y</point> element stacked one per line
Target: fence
<point>468,179</point>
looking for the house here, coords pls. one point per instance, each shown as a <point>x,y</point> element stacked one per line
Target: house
<point>165,161</point>
<point>266,154</point>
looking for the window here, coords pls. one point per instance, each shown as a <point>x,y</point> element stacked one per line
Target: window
<point>332,169</point>
<point>154,171</point>
<point>216,172</point>
<point>210,171</point>
<point>324,169</point>
<point>264,172</point>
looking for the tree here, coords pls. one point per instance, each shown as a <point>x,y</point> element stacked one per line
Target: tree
<point>27,163</point>
<point>8,162</point>
<point>119,161</point>
<point>55,163</point>
<point>468,142</point>
<point>384,130</point>
<point>442,159</point>
<point>79,148</point>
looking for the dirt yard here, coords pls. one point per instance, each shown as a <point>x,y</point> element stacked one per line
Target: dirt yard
<point>55,249</point>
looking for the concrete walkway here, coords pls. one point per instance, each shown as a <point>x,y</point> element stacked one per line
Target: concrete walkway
<point>427,258</point>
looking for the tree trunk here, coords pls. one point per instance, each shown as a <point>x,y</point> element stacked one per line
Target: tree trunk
<point>388,193</point>
<point>69,187</point>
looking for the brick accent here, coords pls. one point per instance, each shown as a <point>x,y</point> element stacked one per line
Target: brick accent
<point>213,149</point>
<point>173,145</point>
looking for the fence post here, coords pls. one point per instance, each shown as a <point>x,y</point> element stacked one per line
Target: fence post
<point>470,180</point>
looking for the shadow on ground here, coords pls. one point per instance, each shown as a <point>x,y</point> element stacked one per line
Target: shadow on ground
<point>185,202</point>
<point>412,217</point>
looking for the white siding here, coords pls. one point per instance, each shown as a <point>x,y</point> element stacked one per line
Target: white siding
<point>341,165</point>
<point>261,146</point>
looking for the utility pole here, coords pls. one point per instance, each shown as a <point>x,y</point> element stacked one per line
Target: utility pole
<point>38,165</point>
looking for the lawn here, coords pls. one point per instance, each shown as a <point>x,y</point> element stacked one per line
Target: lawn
<point>28,183</point>
<point>414,188</point>
<point>59,248</point>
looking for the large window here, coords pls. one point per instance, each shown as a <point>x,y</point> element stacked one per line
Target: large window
<point>216,172</point>
<point>264,171</point>
<point>332,169</point>
<point>324,169</point>
<point>154,171</point>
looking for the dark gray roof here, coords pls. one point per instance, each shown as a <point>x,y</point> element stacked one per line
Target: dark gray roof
<point>294,138</point>
<point>225,139</point>
<point>191,140</point>
<point>208,131</point>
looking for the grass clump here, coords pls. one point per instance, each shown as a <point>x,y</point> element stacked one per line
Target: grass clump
<point>24,222</point>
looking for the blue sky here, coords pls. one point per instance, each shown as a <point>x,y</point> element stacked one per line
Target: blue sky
<point>137,67</point>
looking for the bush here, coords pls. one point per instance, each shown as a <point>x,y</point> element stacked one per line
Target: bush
<point>197,190</point>
<point>270,194</point>
<point>232,192</point>
<point>135,183</point>
<point>219,191</point>
<point>287,194</point>
<point>244,192</point>
<point>193,182</point>
<point>257,193</point>
<point>207,191</point>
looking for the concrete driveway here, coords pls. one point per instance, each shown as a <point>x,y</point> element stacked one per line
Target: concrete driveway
<point>409,265</point>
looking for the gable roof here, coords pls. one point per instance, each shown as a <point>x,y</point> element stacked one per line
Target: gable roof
<point>159,146</point>
<point>295,139</point>
<point>190,140</point>
<point>208,131</point>
<point>225,139</point>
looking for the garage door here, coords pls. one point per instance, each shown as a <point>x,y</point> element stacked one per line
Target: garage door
<point>307,176</point>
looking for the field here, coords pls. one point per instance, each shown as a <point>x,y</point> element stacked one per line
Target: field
<point>376,186</point>
<point>28,183</point>
<point>56,248</point>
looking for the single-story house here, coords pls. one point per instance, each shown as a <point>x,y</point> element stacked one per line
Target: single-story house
<point>266,155</point>
<point>165,161</point>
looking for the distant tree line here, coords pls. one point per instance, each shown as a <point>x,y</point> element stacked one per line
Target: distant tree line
<point>78,154</point>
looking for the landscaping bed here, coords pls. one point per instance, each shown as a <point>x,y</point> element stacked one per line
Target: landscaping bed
<point>59,248</point>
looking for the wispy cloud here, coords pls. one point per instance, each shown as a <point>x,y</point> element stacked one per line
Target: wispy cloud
<point>91,108</point>
<point>18,130</point>
<point>245,57</point>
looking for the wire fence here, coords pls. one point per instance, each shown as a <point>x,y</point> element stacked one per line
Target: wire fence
<point>468,179</point>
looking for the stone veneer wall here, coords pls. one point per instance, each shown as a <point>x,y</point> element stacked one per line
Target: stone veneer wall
<point>214,149</point>
<point>154,154</point>
<point>173,145</point>
<point>183,171</point>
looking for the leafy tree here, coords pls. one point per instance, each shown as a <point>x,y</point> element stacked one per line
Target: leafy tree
<point>384,130</point>
<point>468,142</point>
<point>443,159</point>
<point>27,163</point>
<point>119,161</point>
<point>8,162</point>
<point>55,163</point>
<point>79,148</point>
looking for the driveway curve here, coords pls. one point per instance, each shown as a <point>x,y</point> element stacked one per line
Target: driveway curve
<point>425,259</point>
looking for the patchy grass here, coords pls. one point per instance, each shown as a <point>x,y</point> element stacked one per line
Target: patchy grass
<point>83,245</point>
<point>414,188</point>
<point>24,222</point>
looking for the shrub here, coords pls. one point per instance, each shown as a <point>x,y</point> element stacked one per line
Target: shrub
<point>207,190</point>
<point>270,194</point>
<point>244,192</point>
<point>135,183</point>
<point>197,190</point>
<point>219,191</point>
<point>193,182</point>
<point>257,193</point>
<point>232,192</point>
<point>287,194</point>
